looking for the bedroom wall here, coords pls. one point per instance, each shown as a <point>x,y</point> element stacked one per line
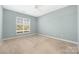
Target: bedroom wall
<point>1,16</point>
<point>61,23</point>
<point>9,20</point>
<point>78,23</point>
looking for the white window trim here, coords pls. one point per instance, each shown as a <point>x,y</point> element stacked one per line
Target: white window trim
<point>23,27</point>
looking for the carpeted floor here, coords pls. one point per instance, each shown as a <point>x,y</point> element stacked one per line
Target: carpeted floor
<point>36,44</point>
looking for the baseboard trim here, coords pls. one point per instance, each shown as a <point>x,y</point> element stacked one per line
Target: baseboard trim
<point>19,36</point>
<point>41,35</point>
<point>59,39</point>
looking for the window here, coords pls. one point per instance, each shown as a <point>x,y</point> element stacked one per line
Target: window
<point>22,25</point>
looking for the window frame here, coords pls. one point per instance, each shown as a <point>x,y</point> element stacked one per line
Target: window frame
<point>23,32</point>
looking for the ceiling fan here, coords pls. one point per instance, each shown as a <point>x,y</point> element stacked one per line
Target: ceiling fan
<point>38,8</point>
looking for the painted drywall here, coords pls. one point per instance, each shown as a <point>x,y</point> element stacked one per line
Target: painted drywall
<point>9,23</point>
<point>1,16</point>
<point>61,23</point>
<point>78,23</point>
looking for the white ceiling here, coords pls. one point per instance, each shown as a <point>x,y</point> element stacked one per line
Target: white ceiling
<point>34,10</point>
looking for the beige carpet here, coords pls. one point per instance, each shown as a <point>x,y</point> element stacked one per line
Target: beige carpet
<point>36,44</point>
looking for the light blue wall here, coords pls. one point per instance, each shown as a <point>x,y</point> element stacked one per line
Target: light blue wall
<point>9,23</point>
<point>1,16</point>
<point>78,22</point>
<point>61,23</point>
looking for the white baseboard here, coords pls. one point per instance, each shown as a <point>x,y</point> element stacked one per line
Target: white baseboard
<point>42,35</point>
<point>19,36</point>
<point>59,39</point>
